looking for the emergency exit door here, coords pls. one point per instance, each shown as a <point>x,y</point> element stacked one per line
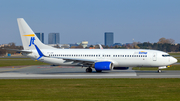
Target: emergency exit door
<point>154,56</point>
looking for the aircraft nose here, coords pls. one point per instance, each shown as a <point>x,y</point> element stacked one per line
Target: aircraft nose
<point>174,60</point>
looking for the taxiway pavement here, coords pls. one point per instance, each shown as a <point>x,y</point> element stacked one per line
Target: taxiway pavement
<point>51,72</point>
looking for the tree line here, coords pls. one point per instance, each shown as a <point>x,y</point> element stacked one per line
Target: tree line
<point>11,45</point>
<point>166,45</point>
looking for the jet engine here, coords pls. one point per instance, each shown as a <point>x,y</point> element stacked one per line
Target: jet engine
<point>105,65</point>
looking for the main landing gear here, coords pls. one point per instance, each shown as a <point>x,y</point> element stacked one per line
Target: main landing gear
<point>88,70</point>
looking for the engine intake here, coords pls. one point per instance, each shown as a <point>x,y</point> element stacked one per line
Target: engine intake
<point>106,65</point>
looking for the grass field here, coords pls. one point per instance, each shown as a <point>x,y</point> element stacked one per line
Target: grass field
<point>178,60</point>
<point>19,62</point>
<point>91,89</point>
<point>174,53</point>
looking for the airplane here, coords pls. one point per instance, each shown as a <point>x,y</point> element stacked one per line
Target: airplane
<point>98,59</point>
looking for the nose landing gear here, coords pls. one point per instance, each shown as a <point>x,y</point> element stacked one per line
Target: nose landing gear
<point>159,71</point>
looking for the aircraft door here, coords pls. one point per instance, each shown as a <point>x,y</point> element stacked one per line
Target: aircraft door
<point>154,56</point>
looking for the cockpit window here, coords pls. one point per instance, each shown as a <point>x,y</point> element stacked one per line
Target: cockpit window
<point>166,55</point>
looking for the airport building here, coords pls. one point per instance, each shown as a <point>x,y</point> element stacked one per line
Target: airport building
<point>84,44</point>
<point>40,36</point>
<point>108,38</point>
<point>53,38</point>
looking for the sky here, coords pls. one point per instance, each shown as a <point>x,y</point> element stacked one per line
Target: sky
<point>88,20</point>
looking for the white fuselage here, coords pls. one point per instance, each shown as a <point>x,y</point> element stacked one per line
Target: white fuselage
<point>119,57</point>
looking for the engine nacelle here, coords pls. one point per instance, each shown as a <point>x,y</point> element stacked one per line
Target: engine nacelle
<point>105,65</point>
<point>121,68</point>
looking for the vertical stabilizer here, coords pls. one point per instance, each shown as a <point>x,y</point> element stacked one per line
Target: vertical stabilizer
<point>28,37</point>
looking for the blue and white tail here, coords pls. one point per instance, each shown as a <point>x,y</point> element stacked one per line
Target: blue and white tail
<point>29,40</point>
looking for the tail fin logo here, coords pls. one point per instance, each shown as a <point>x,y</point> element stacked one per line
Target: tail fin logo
<point>31,41</point>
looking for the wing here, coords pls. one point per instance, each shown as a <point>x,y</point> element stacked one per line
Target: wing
<point>84,62</point>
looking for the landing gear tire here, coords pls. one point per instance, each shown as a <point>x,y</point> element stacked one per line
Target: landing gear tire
<point>88,70</point>
<point>98,71</point>
<point>159,71</point>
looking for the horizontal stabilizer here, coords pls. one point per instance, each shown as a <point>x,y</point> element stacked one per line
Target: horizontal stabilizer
<point>16,50</point>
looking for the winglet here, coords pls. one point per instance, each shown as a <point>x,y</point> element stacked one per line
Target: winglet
<point>100,47</point>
